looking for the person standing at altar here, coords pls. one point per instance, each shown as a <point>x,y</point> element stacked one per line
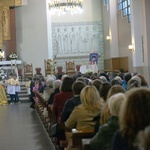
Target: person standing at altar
<point>11,83</point>
<point>3,97</point>
<point>17,89</point>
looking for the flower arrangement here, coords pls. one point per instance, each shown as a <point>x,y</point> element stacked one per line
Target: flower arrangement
<point>89,72</point>
<point>13,55</point>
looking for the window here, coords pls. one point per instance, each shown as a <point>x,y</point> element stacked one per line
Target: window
<point>106,2</point>
<point>124,5</point>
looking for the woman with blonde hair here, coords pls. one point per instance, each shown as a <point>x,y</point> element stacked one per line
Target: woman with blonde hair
<point>134,116</point>
<point>82,116</point>
<point>103,138</point>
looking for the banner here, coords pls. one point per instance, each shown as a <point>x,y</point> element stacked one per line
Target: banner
<point>1,35</point>
<point>6,23</point>
<point>93,58</point>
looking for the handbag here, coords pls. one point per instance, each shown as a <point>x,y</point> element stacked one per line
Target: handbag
<point>54,130</point>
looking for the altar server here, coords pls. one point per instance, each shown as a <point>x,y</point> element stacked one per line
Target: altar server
<point>17,88</point>
<point>11,83</point>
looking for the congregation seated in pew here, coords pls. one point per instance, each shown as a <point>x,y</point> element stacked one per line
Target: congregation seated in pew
<point>83,131</point>
<point>82,117</point>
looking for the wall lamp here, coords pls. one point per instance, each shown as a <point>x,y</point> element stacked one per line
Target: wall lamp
<point>108,38</point>
<point>131,47</point>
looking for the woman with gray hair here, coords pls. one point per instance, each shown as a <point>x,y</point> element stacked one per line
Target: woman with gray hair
<point>56,86</point>
<point>48,90</point>
<point>103,138</point>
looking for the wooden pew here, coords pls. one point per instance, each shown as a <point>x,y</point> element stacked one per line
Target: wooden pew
<point>86,144</point>
<point>78,135</point>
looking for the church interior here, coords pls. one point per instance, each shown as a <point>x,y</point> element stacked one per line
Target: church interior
<point>118,34</point>
<point>72,64</point>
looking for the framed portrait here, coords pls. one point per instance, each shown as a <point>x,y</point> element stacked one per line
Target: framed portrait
<point>93,58</point>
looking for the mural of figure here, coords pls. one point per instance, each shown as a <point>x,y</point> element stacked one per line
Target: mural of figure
<point>81,44</point>
<point>66,42</point>
<point>95,39</point>
<point>73,40</point>
<point>59,42</point>
<point>87,40</point>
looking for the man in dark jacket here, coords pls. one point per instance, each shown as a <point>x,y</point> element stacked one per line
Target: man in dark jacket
<point>74,101</point>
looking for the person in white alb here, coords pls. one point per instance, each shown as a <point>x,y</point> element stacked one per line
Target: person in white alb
<point>17,89</point>
<point>11,88</point>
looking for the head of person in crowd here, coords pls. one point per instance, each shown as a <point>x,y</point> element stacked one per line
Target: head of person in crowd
<point>81,79</point>
<point>105,75</point>
<point>103,79</point>
<point>119,79</point>
<point>103,90</point>
<point>135,81</point>
<point>121,74</point>
<point>49,81</point>
<point>115,102</point>
<point>143,139</point>
<point>143,80</point>
<point>64,76</point>
<point>57,84</point>
<point>115,89</point>
<point>90,98</point>
<point>134,114</point>
<point>97,83</point>
<point>77,87</point>
<point>93,77</point>
<point>115,82</point>
<point>105,110</point>
<point>127,77</point>
<point>67,84</point>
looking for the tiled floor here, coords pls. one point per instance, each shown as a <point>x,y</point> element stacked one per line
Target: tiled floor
<point>21,129</point>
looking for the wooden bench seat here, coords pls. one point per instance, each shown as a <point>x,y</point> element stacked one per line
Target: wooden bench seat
<point>78,135</point>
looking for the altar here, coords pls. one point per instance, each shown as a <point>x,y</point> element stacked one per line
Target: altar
<point>10,65</point>
<point>93,68</point>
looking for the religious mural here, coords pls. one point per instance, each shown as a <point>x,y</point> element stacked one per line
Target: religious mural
<point>79,38</point>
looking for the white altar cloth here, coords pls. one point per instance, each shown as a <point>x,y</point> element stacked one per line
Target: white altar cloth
<point>94,68</point>
<point>12,64</point>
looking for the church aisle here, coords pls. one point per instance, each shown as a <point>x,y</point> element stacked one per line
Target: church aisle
<point>21,129</point>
